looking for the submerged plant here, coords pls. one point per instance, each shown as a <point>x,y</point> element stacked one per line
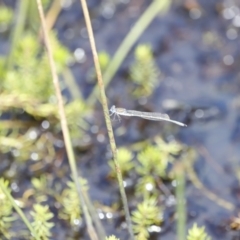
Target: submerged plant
<point>144,72</point>
<point>125,161</point>
<point>31,74</point>
<point>28,146</point>
<point>71,210</point>
<point>6,211</point>
<point>41,225</point>
<point>197,233</point>
<point>146,187</point>
<point>146,215</point>
<point>152,161</point>
<point>112,237</point>
<point>40,186</point>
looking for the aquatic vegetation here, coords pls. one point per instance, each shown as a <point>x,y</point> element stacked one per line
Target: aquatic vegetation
<point>125,160</point>
<point>41,224</point>
<point>71,208</point>
<point>112,237</point>
<point>197,233</point>
<point>148,213</point>
<point>31,66</point>
<point>146,186</point>
<point>152,161</point>
<point>144,72</point>
<point>6,212</point>
<point>30,145</point>
<point>40,186</point>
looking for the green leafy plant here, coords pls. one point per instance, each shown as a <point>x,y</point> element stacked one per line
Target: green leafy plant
<point>125,160</point>
<point>112,237</point>
<point>146,215</point>
<point>152,161</point>
<point>41,216</point>
<point>40,186</point>
<point>31,73</point>
<point>144,72</point>
<point>197,233</point>
<point>23,147</point>
<point>171,148</point>
<point>71,210</point>
<point>146,187</point>
<point>6,212</point>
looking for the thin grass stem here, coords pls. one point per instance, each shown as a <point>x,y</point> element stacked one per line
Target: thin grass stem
<point>107,118</point>
<point>181,202</point>
<point>66,135</point>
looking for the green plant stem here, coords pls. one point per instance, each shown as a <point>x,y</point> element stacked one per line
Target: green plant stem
<point>66,135</point>
<point>19,211</point>
<point>106,115</point>
<point>156,7</point>
<point>18,29</point>
<point>181,208</point>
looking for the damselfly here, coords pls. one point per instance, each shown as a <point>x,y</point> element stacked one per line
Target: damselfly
<point>154,116</point>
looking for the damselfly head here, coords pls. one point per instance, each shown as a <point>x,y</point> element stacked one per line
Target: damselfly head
<point>113,109</point>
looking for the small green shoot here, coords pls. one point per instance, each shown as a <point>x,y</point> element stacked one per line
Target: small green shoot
<point>6,211</point>
<point>125,161</point>
<point>112,237</point>
<point>146,215</point>
<point>197,233</point>
<point>41,216</point>
<point>31,73</point>
<point>144,71</point>
<point>152,162</point>
<point>71,210</point>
